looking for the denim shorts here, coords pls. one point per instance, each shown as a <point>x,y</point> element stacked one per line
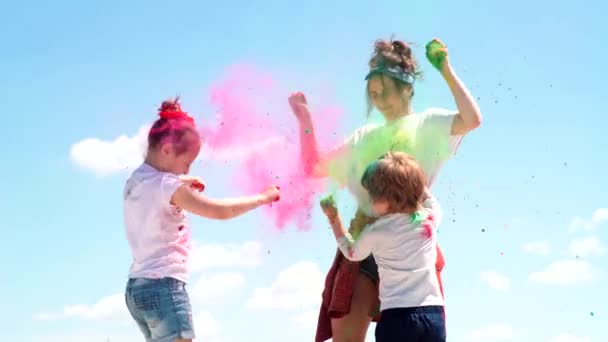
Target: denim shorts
<point>419,324</point>
<point>161,308</point>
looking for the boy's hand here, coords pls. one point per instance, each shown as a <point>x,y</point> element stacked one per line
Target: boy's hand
<point>329,208</point>
<point>194,182</point>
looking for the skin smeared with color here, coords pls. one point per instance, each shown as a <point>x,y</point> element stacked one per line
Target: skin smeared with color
<point>328,202</point>
<point>436,53</point>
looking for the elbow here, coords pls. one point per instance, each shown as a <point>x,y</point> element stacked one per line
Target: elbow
<point>353,255</point>
<point>476,120</point>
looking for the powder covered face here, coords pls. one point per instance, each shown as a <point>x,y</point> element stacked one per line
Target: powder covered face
<point>391,101</point>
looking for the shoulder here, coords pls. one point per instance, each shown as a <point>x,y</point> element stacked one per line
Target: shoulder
<point>389,221</point>
<point>362,131</point>
<point>436,111</point>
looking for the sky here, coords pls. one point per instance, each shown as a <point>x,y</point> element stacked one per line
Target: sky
<point>525,197</point>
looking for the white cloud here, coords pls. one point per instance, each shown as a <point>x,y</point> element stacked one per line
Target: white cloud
<point>206,327</point>
<point>587,246</point>
<point>107,307</point>
<point>245,255</point>
<point>217,286</point>
<point>101,334</point>
<point>492,332</point>
<point>496,280</point>
<point>107,157</point>
<point>541,248</point>
<point>307,320</point>
<point>567,272</point>
<point>297,287</point>
<point>569,338</point>
<point>598,217</point>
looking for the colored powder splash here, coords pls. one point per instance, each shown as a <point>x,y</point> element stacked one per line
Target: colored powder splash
<point>255,125</point>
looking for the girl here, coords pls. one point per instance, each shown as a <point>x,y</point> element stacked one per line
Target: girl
<point>350,298</point>
<point>156,198</point>
<point>403,242</point>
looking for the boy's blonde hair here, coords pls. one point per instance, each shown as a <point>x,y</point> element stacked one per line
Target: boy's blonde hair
<point>397,178</point>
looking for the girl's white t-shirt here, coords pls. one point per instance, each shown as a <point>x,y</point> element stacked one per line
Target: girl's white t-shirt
<point>425,136</point>
<point>157,231</point>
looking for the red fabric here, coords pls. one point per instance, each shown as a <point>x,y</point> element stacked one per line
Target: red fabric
<point>439,264</point>
<point>338,292</point>
<point>176,114</point>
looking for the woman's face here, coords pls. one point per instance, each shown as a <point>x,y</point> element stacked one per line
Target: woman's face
<point>387,98</point>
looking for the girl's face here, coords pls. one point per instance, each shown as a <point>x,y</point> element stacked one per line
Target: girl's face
<point>179,163</point>
<point>387,98</point>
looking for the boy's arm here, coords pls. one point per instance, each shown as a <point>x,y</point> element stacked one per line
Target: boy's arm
<point>352,250</point>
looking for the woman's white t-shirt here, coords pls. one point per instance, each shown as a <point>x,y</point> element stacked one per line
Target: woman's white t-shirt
<point>425,136</point>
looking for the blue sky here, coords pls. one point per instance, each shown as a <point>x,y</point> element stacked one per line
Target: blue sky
<point>532,176</point>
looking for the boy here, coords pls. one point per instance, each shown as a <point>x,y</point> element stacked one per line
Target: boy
<point>403,242</point>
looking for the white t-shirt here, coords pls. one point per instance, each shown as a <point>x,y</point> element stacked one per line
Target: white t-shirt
<point>425,136</point>
<point>158,232</point>
<point>405,252</point>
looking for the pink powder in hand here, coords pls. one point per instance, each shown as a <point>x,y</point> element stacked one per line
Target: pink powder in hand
<point>256,128</point>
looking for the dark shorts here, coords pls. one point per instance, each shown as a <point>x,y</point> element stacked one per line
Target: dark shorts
<point>161,308</point>
<point>420,324</point>
<point>369,267</point>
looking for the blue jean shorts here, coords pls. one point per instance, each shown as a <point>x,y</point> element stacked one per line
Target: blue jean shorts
<point>161,308</point>
<point>418,324</point>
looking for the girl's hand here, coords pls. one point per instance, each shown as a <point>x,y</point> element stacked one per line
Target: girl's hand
<point>328,205</point>
<point>194,182</point>
<point>299,106</point>
<point>437,54</point>
<point>271,194</point>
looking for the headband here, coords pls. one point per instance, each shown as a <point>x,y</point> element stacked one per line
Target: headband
<point>394,72</point>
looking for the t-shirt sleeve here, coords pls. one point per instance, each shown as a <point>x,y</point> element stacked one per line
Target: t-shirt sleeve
<point>434,143</point>
<point>437,123</point>
<point>357,250</point>
<point>168,185</point>
<point>432,206</point>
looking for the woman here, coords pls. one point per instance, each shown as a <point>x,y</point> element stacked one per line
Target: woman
<point>350,298</point>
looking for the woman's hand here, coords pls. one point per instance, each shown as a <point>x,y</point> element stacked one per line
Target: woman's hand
<point>437,54</point>
<point>299,106</point>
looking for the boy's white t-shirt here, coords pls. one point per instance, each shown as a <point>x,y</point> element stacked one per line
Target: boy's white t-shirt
<point>425,136</point>
<point>406,253</point>
<point>157,231</point>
